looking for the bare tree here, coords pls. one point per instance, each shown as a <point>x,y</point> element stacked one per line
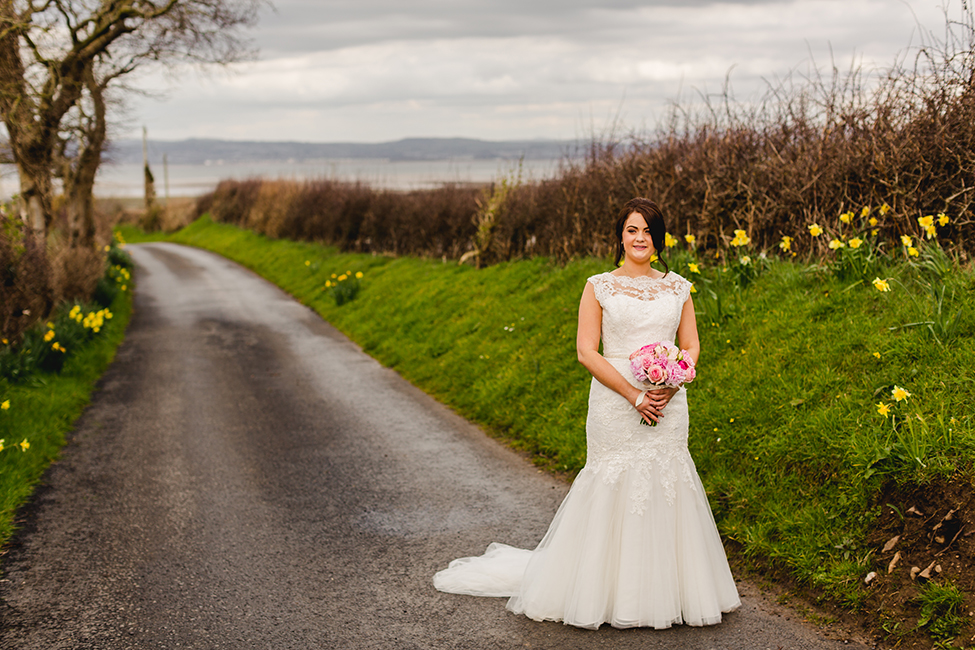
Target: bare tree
<point>59,57</point>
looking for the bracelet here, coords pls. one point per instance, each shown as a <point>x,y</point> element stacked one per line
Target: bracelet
<point>639,398</point>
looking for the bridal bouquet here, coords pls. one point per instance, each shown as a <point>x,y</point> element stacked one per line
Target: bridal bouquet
<point>662,365</point>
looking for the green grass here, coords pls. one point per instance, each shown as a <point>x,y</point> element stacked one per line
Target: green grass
<point>785,428</point>
<point>43,409</point>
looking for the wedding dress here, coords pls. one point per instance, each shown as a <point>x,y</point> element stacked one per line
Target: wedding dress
<point>634,543</point>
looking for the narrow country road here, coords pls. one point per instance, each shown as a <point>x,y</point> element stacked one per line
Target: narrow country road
<point>247,478</point>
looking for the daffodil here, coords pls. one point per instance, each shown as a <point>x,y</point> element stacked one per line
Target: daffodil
<point>931,232</point>
<point>669,240</point>
<point>899,394</point>
<point>358,275</point>
<point>872,221</point>
<point>865,211</point>
<point>913,252</point>
<point>5,405</point>
<point>846,217</point>
<point>48,335</point>
<point>873,233</point>
<point>884,209</point>
<point>741,239</point>
<point>690,239</point>
<point>24,445</point>
<point>745,261</point>
<point>883,409</point>
<point>693,267</point>
<point>1,444</point>
<point>881,285</point>
<point>307,263</point>
<point>815,230</point>
<point>855,242</point>
<point>836,244</point>
<point>693,289</point>
<point>343,278</point>
<point>328,283</point>
<point>907,240</point>
<point>942,219</point>
<point>786,243</point>
<point>926,221</point>
<point>876,354</point>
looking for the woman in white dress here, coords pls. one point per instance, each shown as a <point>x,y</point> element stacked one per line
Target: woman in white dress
<point>634,543</point>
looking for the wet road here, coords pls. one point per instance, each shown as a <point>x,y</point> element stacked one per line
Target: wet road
<point>247,478</point>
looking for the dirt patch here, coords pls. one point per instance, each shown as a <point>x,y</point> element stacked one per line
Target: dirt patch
<point>932,526</point>
<point>930,530</point>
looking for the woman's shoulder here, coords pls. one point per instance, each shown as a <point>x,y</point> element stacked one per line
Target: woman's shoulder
<point>600,278</point>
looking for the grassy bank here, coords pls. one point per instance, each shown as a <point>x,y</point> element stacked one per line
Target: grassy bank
<point>41,410</point>
<point>796,427</point>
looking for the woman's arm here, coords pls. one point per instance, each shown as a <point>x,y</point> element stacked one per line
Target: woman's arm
<point>687,339</point>
<point>587,347</point>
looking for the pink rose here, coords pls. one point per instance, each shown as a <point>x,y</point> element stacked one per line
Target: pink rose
<point>656,374</point>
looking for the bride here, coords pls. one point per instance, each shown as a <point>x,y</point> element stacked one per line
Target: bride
<point>634,543</point>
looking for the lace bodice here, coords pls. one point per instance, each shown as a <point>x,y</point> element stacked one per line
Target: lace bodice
<point>638,311</point>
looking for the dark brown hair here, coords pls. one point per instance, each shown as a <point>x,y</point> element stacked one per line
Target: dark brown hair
<point>655,221</point>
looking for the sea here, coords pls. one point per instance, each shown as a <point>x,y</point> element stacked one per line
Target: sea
<point>126,180</point>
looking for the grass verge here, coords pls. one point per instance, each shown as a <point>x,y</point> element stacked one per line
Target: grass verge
<point>42,410</point>
<point>787,428</point>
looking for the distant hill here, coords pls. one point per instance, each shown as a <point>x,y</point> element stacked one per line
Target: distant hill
<point>200,151</point>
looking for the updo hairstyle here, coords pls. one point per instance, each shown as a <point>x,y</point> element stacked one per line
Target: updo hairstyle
<point>655,221</point>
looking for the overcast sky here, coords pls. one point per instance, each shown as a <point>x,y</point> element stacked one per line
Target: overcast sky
<point>379,70</point>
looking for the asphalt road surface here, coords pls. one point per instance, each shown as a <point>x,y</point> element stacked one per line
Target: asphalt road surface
<point>247,478</point>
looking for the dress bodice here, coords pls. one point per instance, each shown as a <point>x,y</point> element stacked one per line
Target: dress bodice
<point>638,311</point>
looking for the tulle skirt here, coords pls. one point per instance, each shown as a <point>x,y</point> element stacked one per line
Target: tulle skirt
<point>634,543</point>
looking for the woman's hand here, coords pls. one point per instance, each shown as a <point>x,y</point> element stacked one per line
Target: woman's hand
<point>652,405</point>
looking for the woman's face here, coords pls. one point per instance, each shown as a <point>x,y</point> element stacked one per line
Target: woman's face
<point>637,245</point>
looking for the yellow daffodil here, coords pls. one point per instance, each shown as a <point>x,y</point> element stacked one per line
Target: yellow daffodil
<point>846,217</point>
<point>899,394</point>
<point>786,243</point>
<point>328,283</point>
<point>883,409</point>
<point>931,232</point>
<point>343,278</point>
<point>1,444</point>
<point>745,261</point>
<point>741,239</point>
<point>881,285</point>
<point>907,240</point>
<point>333,276</point>
<point>5,405</point>
<point>669,240</point>
<point>693,289</point>
<point>24,445</point>
<point>690,239</point>
<point>815,230</point>
<point>693,267</point>
<point>653,257</point>
<point>884,209</point>
<point>913,252</point>
<point>836,244</point>
<point>107,248</point>
<point>942,219</point>
<point>855,242</point>
<point>48,335</point>
<point>926,221</point>
<point>4,341</point>
<point>876,354</point>
<point>874,232</point>
<point>307,263</point>
<point>57,347</point>
<point>865,211</point>
<point>358,275</point>
<point>872,221</point>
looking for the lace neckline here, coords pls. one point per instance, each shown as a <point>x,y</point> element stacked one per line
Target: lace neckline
<point>627,279</point>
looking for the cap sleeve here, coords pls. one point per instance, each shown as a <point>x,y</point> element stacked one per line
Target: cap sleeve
<point>683,289</point>
<point>601,284</point>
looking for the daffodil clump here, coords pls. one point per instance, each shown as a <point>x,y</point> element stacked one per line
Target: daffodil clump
<point>46,346</point>
<point>344,287</point>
